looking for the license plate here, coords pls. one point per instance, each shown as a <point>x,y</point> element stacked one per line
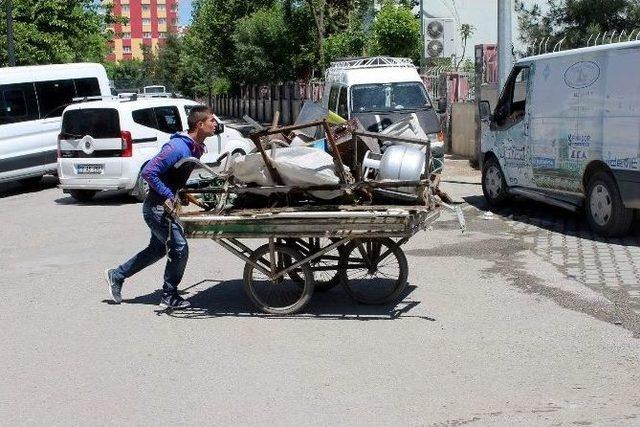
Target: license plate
<point>89,169</point>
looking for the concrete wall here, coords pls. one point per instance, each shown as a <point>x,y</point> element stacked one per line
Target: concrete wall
<point>463,129</point>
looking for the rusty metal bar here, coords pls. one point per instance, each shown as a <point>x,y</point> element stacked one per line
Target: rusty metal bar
<point>337,160</point>
<point>283,188</point>
<point>392,138</point>
<point>267,132</point>
<point>310,258</point>
<point>241,255</point>
<point>267,161</point>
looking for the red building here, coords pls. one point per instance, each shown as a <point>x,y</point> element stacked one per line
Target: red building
<point>150,21</point>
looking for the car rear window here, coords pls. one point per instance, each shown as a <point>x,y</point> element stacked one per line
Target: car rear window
<point>96,122</point>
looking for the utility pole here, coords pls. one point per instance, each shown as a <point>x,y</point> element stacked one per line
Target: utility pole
<point>422,37</point>
<point>10,50</point>
<point>505,58</point>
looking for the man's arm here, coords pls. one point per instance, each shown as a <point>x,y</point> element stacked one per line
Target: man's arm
<point>170,154</point>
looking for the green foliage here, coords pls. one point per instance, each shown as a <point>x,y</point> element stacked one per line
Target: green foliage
<point>396,32</point>
<point>221,85</point>
<point>56,31</point>
<point>575,20</point>
<point>349,43</point>
<point>263,47</point>
<point>127,74</point>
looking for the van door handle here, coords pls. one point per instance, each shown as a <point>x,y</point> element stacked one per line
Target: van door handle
<point>526,125</point>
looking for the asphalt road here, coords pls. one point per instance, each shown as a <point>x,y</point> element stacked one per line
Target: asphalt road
<point>512,322</point>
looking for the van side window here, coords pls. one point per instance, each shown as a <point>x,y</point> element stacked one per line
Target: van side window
<point>168,119</point>
<point>513,100</point>
<point>342,104</point>
<point>145,117</point>
<point>333,98</point>
<point>87,87</point>
<point>53,96</point>
<point>18,103</point>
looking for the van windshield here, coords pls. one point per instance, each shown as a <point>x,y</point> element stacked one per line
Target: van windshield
<point>389,97</point>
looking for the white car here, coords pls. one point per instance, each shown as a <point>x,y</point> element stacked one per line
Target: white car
<point>104,144</point>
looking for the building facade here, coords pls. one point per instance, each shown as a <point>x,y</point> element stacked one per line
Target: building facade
<point>150,21</point>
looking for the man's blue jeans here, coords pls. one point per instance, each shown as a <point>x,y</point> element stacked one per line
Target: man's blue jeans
<point>162,243</point>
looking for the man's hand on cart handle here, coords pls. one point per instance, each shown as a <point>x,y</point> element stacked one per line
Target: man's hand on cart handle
<point>170,206</point>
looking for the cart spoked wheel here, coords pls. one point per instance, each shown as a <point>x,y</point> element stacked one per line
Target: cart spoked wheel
<point>374,270</point>
<point>281,295</point>
<point>325,268</point>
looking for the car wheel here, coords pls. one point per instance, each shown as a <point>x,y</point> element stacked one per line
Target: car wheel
<point>605,210</point>
<point>494,185</point>
<point>141,189</point>
<point>31,182</point>
<point>82,195</point>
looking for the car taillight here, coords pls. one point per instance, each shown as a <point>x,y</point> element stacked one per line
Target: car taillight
<point>127,144</point>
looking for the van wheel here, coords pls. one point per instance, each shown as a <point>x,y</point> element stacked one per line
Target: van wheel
<point>141,189</point>
<point>494,186</point>
<point>606,213</point>
<point>82,195</point>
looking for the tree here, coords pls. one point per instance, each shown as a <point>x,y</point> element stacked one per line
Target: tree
<point>396,32</point>
<point>466,31</point>
<point>127,74</point>
<point>352,42</point>
<point>575,21</point>
<point>168,69</point>
<point>263,47</point>
<point>56,31</point>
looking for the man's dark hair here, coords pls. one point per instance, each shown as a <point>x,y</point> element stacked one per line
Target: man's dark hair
<point>196,115</point>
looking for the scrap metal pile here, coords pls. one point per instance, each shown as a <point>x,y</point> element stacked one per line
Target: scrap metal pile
<point>323,161</point>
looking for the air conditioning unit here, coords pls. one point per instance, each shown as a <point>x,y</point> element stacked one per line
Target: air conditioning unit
<point>439,37</point>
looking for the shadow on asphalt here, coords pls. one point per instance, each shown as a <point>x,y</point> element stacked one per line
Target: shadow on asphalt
<point>553,219</point>
<point>8,189</point>
<point>105,198</point>
<point>227,299</point>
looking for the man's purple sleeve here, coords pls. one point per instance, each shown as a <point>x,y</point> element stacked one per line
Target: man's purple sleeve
<point>162,162</point>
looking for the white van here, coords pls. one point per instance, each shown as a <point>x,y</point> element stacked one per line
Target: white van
<point>566,131</point>
<point>381,91</point>
<point>32,99</point>
<point>104,144</point>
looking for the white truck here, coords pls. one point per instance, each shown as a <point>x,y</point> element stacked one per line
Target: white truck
<point>381,91</point>
<point>566,131</point>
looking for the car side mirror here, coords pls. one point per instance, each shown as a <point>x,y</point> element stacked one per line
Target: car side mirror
<point>219,129</point>
<point>442,105</point>
<point>484,108</point>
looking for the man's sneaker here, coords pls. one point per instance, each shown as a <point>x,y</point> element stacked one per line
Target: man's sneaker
<point>174,302</point>
<point>115,287</point>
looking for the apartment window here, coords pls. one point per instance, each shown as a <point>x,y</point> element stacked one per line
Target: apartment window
<point>146,21</point>
<point>126,49</point>
<point>162,8</point>
<point>145,8</point>
<point>146,35</point>
<point>162,35</point>
<point>162,21</point>
<point>126,36</point>
<point>125,8</point>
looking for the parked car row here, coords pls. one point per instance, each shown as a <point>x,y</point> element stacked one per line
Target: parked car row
<point>62,119</point>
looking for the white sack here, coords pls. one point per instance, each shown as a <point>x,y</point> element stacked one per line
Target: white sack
<point>297,166</point>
